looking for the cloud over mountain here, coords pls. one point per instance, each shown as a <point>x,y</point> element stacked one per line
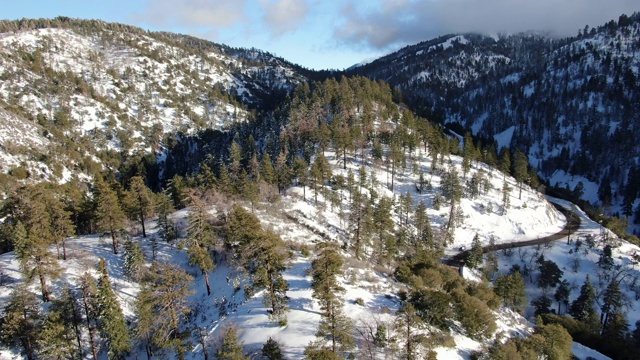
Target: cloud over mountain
<point>398,22</point>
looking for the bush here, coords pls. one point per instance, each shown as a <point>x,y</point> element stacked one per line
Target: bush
<point>359,301</point>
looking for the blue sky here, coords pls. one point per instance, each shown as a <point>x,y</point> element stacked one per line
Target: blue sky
<point>336,34</point>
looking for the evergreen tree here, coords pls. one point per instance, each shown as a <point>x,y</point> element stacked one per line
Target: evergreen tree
<point>542,305</point>
<point>61,225</point>
<point>271,350</point>
<point>520,172</point>
<point>320,173</point>
<point>301,170</point>
<point>511,289</point>
<point>133,259</point>
<point>606,258</point>
<point>424,233</point>
<point>69,318</point>
<point>267,272</point>
<point>110,217</point>
<point>140,201</point>
<point>562,294</point>
<point>474,255</point>
<point>200,238</point>
<point>550,274</point>
<point>231,348</point>
<point>360,222</point>
<point>283,172</point>
<point>111,321</point>
<point>22,321</point>
<point>613,303</point>
<point>409,324</point>
<point>506,194</point>
<point>582,308</point>
<point>334,325</point>
<point>56,339</point>
<point>162,306</point>
<point>164,207</point>
<point>267,172</point>
<point>383,226</point>
<point>90,308</point>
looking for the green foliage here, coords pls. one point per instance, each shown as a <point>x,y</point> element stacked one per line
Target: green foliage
<point>200,238</point>
<point>109,215</point>
<point>474,255</point>
<point>550,274</point>
<point>162,306</point>
<point>474,315</point>
<point>511,289</point>
<point>271,350</point>
<point>334,325</point>
<point>111,321</point>
<point>134,260</point>
<point>22,321</point>
<point>231,348</point>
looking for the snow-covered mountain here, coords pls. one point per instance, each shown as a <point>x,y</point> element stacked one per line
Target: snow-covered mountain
<point>74,88</point>
<point>570,104</point>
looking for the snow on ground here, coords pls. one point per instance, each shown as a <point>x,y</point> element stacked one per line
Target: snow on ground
<point>564,254</point>
<point>370,294</point>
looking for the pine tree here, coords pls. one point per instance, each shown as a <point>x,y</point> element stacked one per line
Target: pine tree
<point>520,172</point>
<point>90,308</point>
<point>334,325</point>
<point>582,308</point>
<point>231,348</point>
<point>383,227</point>
<point>164,207</point>
<point>110,217</point>
<point>613,303</point>
<point>267,272</point>
<point>506,190</point>
<point>22,321</point>
<point>301,170</point>
<point>61,225</point>
<point>271,350</point>
<point>511,289</point>
<point>111,321</point>
<point>562,294</point>
<point>283,172</point>
<point>267,172</point>
<point>200,238</point>
<point>139,201</point>
<point>474,255</point>
<point>133,259</point>
<point>56,339</point>
<point>162,306</point>
<point>70,318</point>
<point>409,324</point>
<point>360,222</point>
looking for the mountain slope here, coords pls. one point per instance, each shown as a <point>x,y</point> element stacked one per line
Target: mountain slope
<point>569,104</point>
<point>92,87</point>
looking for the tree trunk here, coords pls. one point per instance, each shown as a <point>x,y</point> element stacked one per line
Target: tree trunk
<point>64,249</point>
<point>90,328</point>
<point>206,281</point>
<point>393,173</point>
<point>114,242</point>
<point>43,285</point>
<point>144,233</point>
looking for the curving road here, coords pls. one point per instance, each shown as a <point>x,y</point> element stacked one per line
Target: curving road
<point>573,223</point>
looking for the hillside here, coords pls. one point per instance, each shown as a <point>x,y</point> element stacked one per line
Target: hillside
<point>82,88</point>
<point>169,197</point>
<point>570,104</point>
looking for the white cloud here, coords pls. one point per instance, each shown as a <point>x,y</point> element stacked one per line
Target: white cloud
<point>399,22</point>
<point>283,16</point>
<point>194,13</point>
